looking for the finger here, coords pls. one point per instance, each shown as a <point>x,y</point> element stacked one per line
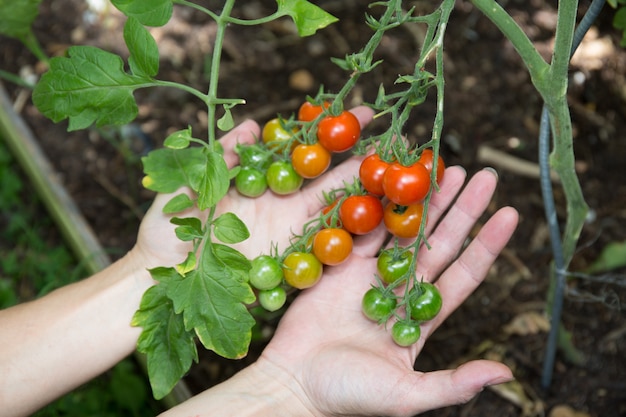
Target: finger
<point>438,389</point>
<point>450,234</point>
<point>368,245</point>
<point>469,270</point>
<point>246,132</point>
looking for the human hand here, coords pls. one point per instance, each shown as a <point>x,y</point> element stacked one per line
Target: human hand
<point>336,362</point>
<point>271,219</point>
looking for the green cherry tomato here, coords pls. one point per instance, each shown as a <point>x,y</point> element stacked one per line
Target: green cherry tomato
<point>272,299</point>
<point>302,270</point>
<point>266,273</point>
<point>425,302</point>
<point>250,182</point>
<point>405,333</point>
<point>283,179</point>
<point>377,305</point>
<point>393,264</point>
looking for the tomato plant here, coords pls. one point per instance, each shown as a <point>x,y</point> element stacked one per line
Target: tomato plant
<point>282,178</point>
<point>330,222</point>
<point>378,305</point>
<point>265,273</point>
<point>405,185</point>
<point>403,221</point>
<point>360,214</point>
<point>425,301</point>
<point>371,174</point>
<point>272,299</point>
<point>393,264</point>
<point>309,111</point>
<point>339,133</point>
<point>332,246</point>
<point>302,270</point>
<point>250,182</point>
<point>310,161</point>
<point>405,332</point>
<point>427,159</point>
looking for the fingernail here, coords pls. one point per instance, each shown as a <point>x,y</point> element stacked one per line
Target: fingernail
<point>499,380</point>
<point>493,171</point>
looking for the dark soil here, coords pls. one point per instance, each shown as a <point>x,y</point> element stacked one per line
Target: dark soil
<point>490,104</point>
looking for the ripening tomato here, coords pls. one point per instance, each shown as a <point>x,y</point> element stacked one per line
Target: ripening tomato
<point>302,270</point>
<point>282,178</point>
<point>371,174</point>
<point>329,220</point>
<point>339,133</point>
<point>275,136</point>
<point>310,161</point>
<point>406,185</point>
<point>360,214</point>
<point>427,158</point>
<point>332,246</point>
<point>403,221</point>
<point>309,111</point>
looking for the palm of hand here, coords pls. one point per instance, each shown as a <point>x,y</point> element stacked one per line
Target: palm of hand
<point>346,365</point>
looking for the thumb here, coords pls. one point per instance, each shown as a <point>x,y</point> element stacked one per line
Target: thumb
<point>449,387</point>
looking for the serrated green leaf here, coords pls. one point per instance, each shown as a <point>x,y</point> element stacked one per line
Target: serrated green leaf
<point>170,169</point>
<point>308,17</point>
<point>177,204</point>
<point>17,17</point>
<point>234,260</point>
<point>147,12</point>
<point>89,86</point>
<point>144,53</point>
<point>229,228</point>
<point>211,301</point>
<point>189,228</point>
<point>170,349</point>
<point>188,265</point>
<point>214,182</point>
<point>179,139</point>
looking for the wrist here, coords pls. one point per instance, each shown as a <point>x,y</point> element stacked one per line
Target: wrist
<point>262,389</point>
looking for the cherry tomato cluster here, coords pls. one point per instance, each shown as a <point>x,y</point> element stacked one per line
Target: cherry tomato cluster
<point>283,159</point>
<point>404,186</point>
<point>420,302</point>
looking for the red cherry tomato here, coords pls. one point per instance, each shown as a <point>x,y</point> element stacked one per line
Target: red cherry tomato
<point>360,214</point>
<point>403,221</point>
<point>371,174</point>
<point>406,185</point>
<point>309,111</point>
<point>310,161</point>
<point>332,246</point>
<point>339,133</point>
<point>427,158</point>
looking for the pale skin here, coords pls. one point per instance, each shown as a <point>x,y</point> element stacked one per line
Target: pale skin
<point>326,358</point>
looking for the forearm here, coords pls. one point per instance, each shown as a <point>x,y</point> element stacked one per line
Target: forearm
<point>259,390</point>
<point>54,344</point>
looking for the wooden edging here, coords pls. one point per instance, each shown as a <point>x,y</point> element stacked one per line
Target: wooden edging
<point>77,233</point>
